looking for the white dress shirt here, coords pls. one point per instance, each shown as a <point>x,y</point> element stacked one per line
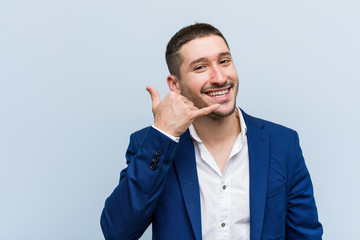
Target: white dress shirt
<point>224,197</point>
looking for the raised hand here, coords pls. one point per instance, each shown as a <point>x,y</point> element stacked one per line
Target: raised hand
<point>175,113</point>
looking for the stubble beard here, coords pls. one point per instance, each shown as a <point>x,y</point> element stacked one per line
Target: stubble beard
<point>215,114</point>
<point>218,114</point>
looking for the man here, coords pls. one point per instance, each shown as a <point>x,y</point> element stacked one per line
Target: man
<point>206,169</point>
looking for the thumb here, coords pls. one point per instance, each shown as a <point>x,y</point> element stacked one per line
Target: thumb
<point>155,97</point>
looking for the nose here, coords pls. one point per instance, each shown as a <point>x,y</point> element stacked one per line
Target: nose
<point>217,75</point>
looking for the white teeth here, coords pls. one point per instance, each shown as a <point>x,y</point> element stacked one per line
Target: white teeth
<point>219,93</point>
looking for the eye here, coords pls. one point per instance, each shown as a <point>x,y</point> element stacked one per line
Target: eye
<point>224,61</point>
<point>199,67</point>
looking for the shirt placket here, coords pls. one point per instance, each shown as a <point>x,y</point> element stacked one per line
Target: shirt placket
<point>225,205</point>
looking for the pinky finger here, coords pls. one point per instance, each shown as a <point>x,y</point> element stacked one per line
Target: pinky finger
<point>206,110</point>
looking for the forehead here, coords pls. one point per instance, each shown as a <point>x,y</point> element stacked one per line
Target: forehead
<point>204,47</point>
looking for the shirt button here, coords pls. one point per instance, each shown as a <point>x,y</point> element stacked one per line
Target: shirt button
<point>223,225</point>
<point>224,187</point>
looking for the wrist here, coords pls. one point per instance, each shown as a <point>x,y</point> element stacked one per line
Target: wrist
<point>171,136</point>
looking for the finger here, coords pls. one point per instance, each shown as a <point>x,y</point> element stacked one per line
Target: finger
<point>206,110</point>
<point>155,97</point>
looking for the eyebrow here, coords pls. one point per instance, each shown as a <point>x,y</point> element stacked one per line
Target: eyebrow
<point>223,54</point>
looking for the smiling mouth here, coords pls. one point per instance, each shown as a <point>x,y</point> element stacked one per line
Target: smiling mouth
<point>220,92</point>
<point>217,94</point>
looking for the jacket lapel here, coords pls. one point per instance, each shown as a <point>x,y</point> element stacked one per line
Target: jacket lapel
<point>259,156</point>
<point>185,165</point>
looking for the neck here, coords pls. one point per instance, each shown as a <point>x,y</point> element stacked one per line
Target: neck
<point>212,130</point>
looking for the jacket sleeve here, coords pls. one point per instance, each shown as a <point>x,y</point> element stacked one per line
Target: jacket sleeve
<point>302,218</point>
<point>128,210</point>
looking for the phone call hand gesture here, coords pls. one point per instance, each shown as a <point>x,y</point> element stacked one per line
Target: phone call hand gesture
<point>175,113</point>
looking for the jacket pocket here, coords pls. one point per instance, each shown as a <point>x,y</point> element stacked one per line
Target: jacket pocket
<point>274,218</point>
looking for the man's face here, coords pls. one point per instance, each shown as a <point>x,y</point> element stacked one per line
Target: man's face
<point>208,74</point>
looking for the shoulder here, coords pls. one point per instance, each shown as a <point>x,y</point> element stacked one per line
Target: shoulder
<point>275,130</point>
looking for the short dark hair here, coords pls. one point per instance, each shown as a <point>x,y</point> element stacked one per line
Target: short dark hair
<point>186,34</point>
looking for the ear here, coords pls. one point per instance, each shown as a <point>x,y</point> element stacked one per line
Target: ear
<point>173,83</point>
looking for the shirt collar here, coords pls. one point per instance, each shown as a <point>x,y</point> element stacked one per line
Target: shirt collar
<point>239,115</point>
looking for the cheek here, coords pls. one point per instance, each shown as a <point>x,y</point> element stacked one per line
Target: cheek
<point>190,91</point>
<point>232,73</point>
<point>195,82</point>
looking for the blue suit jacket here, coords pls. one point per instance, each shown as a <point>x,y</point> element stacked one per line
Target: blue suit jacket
<point>160,186</point>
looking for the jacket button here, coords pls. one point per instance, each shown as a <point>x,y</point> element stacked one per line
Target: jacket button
<point>155,159</point>
<point>152,166</point>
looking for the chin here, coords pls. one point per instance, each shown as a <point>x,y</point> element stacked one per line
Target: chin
<point>223,114</point>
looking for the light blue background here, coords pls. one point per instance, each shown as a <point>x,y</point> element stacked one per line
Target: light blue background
<point>72,89</point>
